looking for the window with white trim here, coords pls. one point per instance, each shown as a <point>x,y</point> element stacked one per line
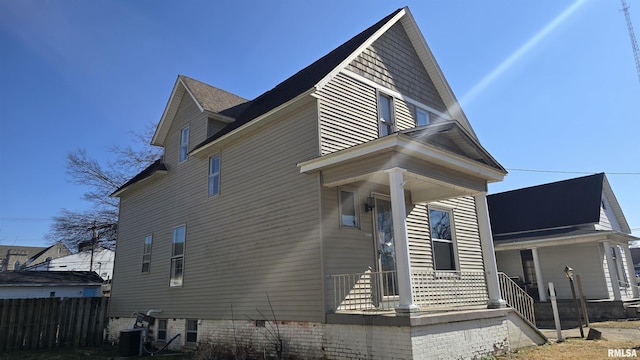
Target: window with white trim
<point>348,209</point>
<point>162,330</point>
<point>184,144</point>
<point>146,253</point>
<point>423,117</point>
<point>177,256</point>
<point>385,115</point>
<point>192,331</point>
<point>214,175</point>
<point>440,225</point>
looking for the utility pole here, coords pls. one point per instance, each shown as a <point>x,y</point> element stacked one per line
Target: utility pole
<point>632,36</point>
<point>94,237</point>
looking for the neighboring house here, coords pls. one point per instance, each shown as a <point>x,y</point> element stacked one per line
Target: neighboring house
<point>99,260</point>
<point>44,284</point>
<point>19,257</point>
<point>348,203</point>
<point>540,230</point>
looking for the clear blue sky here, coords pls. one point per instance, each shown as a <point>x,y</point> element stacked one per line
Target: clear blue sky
<point>547,84</point>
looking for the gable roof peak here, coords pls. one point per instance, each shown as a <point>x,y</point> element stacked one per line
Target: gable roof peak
<point>208,98</point>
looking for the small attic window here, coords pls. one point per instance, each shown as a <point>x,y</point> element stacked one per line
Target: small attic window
<point>604,206</point>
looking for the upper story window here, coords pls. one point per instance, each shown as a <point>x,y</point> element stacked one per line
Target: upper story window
<point>423,117</point>
<point>177,256</point>
<point>16,265</point>
<point>440,224</point>
<point>146,253</point>
<point>348,209</point>
<point>184,144</point>
<point>385,115</point>
<point>214,175</point>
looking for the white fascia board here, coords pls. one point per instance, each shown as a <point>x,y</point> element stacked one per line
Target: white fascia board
<point>567,240</point>
<point>168,114</point>
<point>203,150</point>
<point>403,144</point>
<point>360,49</point>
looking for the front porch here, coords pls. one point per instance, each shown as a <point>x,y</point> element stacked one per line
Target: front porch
<point>400,257</point>
<point>432,291</point>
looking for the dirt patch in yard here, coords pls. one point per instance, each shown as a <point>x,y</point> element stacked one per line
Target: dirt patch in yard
<point>620,338</point>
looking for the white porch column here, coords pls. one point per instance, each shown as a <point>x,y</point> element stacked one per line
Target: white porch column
<point>613,271</point>
<point>632,275</point>
<point>542,294</point>
<point>400,238</point>
<point>488,253</point>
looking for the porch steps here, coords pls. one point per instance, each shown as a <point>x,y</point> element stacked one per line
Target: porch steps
<point>633,308</point>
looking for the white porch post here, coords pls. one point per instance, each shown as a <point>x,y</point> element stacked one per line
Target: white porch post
<point>403,265</point>
<point>488,252</point>
<point>542,294</point>
<point>613,271</point>
<point>632,275</point>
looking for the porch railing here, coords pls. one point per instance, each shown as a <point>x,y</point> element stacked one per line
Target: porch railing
<point>432,290</point>
<point>516,297</point>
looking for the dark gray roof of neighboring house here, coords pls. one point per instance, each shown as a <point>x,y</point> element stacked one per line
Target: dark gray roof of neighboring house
<point>211,98</point>
<point>559,204</point>
<point>18,278</point>
<point>300,82</point>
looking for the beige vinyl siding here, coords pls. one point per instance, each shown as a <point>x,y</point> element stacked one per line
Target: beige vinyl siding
<point>259,236</point>
<point>420,249</point>
<point>348,114</point>
<point>348,106</point>
<point>351,251</point>
<point>405,116</point>
<point>608,219</point>
<point>392,62</point>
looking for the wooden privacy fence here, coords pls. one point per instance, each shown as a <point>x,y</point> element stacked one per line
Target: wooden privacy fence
<point>52,322</point>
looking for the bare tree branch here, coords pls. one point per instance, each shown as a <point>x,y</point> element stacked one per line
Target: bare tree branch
<point>73,227</point>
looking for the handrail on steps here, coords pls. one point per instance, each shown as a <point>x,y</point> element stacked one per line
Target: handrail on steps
<point>517,298</point>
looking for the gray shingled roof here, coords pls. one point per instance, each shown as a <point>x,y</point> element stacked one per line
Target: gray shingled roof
<point>300,82</point>
<point>570,202</point>
<point>17,278</point>
<point>210,97</point>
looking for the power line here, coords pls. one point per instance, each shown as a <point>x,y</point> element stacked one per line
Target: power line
<point>574,172</point>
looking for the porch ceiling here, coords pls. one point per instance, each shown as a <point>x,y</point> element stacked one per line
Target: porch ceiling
<point>432,173</point>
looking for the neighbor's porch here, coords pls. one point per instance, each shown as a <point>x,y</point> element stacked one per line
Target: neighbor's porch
<point>419,166</point>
